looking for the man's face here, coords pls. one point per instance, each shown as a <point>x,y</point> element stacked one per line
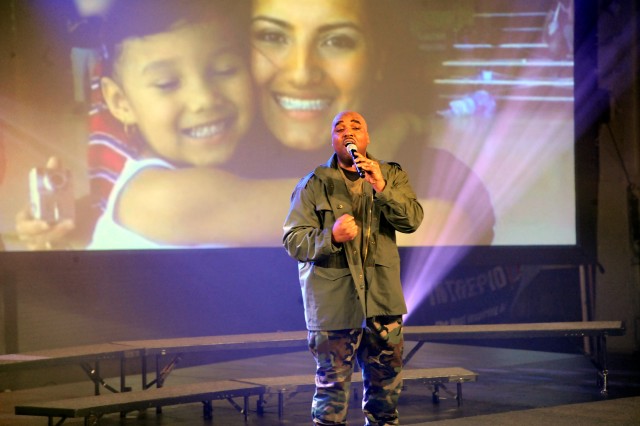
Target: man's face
<point>349,127</point>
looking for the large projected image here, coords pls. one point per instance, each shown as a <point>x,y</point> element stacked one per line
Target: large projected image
<point>151,124</point>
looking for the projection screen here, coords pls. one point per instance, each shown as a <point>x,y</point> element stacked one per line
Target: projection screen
<point>193,134</point>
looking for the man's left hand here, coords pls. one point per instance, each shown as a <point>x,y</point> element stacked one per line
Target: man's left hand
<point>373,174</point>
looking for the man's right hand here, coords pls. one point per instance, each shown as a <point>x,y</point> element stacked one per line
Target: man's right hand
<point>345,229</point>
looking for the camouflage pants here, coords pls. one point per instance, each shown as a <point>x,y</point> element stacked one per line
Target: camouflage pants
<point>378,350</point>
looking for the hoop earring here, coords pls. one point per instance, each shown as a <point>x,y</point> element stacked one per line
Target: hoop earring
<point>131,130</point>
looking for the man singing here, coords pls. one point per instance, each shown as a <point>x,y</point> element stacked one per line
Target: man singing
<point>341,228</point>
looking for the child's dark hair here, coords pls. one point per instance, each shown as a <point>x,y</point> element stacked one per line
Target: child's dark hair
<point>140,18</point>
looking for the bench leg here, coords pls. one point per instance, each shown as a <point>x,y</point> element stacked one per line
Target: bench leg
<point>91,420</point>
<point>207,410</point>
<point>94,375</point>
<point>260,405</point>
<point>435,395</point>
<point>604,381</point>
<point>244,410</point>
<point>246,407</point>
<point>602,364</point>
<point>143,370</point>
<point>96,378</point>
<point>280,404</point>
<point>123,376</point>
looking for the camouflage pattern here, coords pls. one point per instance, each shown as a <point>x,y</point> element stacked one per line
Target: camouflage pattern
<point>380,356</point>
<point>378,349</point>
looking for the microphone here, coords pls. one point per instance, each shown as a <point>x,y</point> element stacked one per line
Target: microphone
<point>352,149</point>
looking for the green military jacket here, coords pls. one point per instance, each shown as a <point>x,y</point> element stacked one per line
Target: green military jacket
<point>339,292</point>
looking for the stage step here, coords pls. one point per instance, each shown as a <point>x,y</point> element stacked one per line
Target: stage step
<point>95,406</point>
<point>435,377</point>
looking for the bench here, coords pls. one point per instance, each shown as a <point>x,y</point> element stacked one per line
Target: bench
<point>172,350</point>
<point>594,329</point>
<point>175,348</point>
<point>436,377</point>
<point>88,357</point>
<point>95,406</point>
<point>91,408</point>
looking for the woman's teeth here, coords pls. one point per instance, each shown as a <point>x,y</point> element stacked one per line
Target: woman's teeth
<point>302,104</point>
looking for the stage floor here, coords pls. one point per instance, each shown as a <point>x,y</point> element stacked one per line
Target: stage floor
<point>514,386</point>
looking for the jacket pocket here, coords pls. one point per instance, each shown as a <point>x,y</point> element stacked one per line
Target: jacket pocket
<point>331,274</point>
<point>324,214</point>
<point>386,256</point>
